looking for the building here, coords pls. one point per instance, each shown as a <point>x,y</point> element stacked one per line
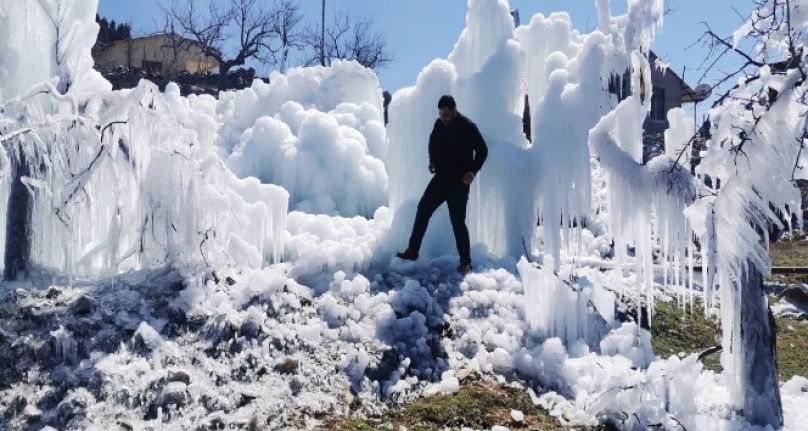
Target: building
<point>669,91</point>
<point>157,54</point>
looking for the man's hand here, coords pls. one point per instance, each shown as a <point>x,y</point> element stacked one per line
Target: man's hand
<point>431,168</point>
<point>468,178</point>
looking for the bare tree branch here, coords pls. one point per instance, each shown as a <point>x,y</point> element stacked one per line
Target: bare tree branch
<point>348,38</point>
<point>722,41</point>
<point>287,26</point>
<point>238,31</point>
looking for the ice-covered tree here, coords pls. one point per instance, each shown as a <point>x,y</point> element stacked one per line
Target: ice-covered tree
<point>102,181</point>
<point>757,129</point>
<point>753,159</point>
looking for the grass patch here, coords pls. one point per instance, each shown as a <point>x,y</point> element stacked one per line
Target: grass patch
<point>674,331</point>
<point>792,337</point>
<point>789,252</point>
<point>477,405</point>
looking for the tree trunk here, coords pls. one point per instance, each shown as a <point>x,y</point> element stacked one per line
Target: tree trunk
<point>322,36</point>
<point>224,67</point>
<point>18,222</point>
<point>758,362</point>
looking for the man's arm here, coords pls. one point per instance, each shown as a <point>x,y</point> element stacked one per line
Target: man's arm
<point>480,149</point>
<point>433,147</point>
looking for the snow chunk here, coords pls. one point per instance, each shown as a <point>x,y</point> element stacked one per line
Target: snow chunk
<point>630,341</point>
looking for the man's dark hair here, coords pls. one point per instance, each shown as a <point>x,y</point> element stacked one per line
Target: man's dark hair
<point>447,101</point>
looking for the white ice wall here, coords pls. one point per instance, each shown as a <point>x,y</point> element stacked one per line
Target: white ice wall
<point>133,182</point>
<point>40,40</point>
<point>483,73</point>
<point>317,131</point>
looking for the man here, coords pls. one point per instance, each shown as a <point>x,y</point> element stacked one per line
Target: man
<point>457,151</point>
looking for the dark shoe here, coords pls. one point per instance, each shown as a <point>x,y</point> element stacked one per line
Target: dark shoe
<point>407,255</point>
<point>465,268</point>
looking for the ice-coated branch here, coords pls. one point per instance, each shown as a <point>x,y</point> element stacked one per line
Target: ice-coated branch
<point>718,40</point>
<point>801,141</point>
<point>37,127</point>
<point>109,126</point>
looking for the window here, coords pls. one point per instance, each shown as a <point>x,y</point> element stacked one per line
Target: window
<point>152,67</point>
<point>658,104</point>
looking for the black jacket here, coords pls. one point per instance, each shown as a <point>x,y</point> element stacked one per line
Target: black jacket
<point>457,148</point>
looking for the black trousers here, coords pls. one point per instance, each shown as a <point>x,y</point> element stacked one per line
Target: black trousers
<point>456,195</point>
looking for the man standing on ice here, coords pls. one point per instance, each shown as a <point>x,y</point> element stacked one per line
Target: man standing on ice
<point>457,151</point>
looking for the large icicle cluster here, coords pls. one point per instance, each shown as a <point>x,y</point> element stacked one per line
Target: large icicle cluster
<point>41,40</point>
<point>483,73</point>
<point>548,180</point>
<point>123,181</point>
<point>645,202</point>
<point>117,180</point>
<point>558,308</point>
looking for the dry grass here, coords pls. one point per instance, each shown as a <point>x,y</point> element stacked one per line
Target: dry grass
<point>478,405</point>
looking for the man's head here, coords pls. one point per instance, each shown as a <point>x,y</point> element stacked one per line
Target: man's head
<point>447,109</point>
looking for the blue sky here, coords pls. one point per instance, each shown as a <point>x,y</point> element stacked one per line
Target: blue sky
<point>418,31</point>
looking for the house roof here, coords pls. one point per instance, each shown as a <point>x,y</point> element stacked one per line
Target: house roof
<point>688,94</point>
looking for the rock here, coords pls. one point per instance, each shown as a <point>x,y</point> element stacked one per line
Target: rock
<point>797,295</point>
<point>246,398</point>
<point>84,305</point>
<point>288,366</point>
<point>381,370</point>
<point>467,375</point>
<point>179,376</point>
<point>53,292</point>
<point>73,406</point>
<point>32,413</point>
<point>296,385</point>
<point>174,393</point>
<point>517,416</point>
<point>214,422</point>
<point>516,385</point>
<point>145,339</point>
<point>255,424</point>
<point>250,329</point>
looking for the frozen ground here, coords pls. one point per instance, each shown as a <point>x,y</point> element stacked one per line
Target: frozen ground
<point>162,350</point>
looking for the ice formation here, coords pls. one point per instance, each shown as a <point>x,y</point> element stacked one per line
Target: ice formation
<point>121,180</point>
<point>318,132</point>
<point>140,179</point>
